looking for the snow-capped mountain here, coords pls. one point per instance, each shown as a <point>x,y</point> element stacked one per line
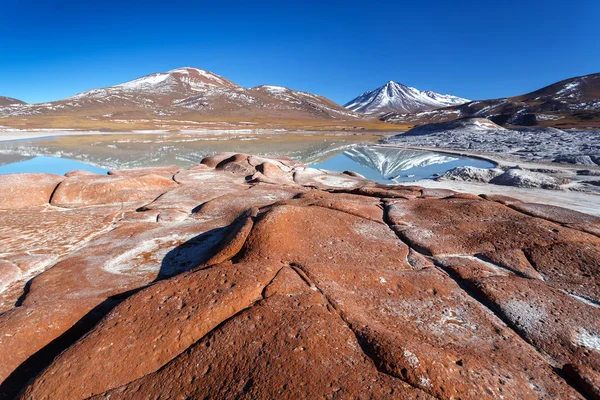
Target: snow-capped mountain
<point>189,94</point>
<point>395,97</point>
<point>573,102</point>
<point>175,83</point>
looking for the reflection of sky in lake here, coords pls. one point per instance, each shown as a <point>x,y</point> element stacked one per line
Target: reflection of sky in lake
<point>101,153</point>
<point>49,165</point>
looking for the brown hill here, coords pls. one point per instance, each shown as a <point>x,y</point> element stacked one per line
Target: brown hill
<point>9,101</point>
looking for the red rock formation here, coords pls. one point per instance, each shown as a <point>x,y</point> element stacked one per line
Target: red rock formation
<point>257,277</point>
<point>27,190</point>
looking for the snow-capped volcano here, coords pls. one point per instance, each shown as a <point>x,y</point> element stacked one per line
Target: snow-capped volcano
<point>395,97</point>
<point>178,82</point>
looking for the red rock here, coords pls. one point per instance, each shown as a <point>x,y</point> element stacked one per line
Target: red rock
<point>63,232</point>
<point>188,197</point>
<point>360,206</point>
<point>571,266</point>
<point>354,174</point>
<point>435,192</point>
<point>224,287</point>
<point>80,191</point>
<point>457,226</point>
<point>320,180</point>
<point>79,172</point>
<point>466,196</point>
<point>27,190</point>
<point>570,218</point>
<point>235,360</point>
<point>269,169</point>
<point>201,177</point>
<point>514,260</point>
<point>232,205</point>
<point>213,161</point>
<point>387,193</point>
<point>506,200</point>
<point>9,273</point>
<point>311,238</point>
<point>199,167</point>
<point>167,171</point>
<point>563,326</point>
<point>588,379</point>
<point>452,345</point>
<point>139,254</point>
<point>135,330</point>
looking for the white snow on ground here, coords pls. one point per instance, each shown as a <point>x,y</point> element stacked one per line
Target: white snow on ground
<point>275,89</point>
<point>570,90</point>
<point>144,82</point>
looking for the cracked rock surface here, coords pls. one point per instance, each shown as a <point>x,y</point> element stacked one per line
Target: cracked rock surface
<point>260,278</point>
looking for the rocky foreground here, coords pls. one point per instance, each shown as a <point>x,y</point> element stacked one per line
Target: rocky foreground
<point>257,277</point>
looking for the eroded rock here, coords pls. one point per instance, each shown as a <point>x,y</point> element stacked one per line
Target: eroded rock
<point>88,190</point>
<point>27,190</point>
<point>256,277</point>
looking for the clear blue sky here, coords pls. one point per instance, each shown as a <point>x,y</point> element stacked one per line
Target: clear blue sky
<point>474,49</point>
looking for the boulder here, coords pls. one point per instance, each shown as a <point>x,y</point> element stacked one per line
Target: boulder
<point>527,179</point>
<point>81,191</point>
<point>471,174</point>
<point>27,190</point>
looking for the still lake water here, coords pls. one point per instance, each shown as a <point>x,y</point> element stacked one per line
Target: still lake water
<point>335,152</point>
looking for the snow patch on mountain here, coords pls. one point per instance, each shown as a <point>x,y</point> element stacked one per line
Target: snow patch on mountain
<point>395,97</point>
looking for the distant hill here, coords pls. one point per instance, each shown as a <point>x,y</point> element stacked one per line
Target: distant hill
<point>9,101</point>
<point>396,97</point>
<point>572,102</point>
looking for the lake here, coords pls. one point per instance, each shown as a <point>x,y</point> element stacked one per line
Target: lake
<point>330,151</point>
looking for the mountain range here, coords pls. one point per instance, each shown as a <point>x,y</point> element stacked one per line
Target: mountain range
<point>396,97</point>
<point>186,98</point>
<point>192,98</point>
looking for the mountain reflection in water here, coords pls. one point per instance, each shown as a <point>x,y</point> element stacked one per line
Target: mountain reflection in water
<point>340,152</point>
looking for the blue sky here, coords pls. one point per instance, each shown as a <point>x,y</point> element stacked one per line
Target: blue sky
<point>475,49</point>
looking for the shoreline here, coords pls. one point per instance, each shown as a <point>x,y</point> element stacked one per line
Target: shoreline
<point>10,135</point>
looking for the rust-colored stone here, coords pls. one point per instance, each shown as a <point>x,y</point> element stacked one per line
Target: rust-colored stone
<point>27,190</point>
